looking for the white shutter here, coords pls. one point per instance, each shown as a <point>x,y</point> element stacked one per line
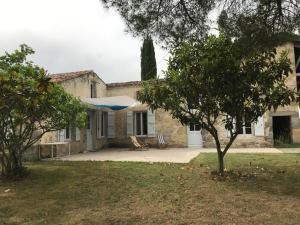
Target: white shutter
<point>299,111</point>
<point>151,123</point>
<point>259,127</point>
<point>61,135</point>
<point>111,124</point>
<point>77,134</point>
<point>129,123</point>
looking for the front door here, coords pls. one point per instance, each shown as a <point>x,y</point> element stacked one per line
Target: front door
<point>89,138</point>
<point>194,135</point>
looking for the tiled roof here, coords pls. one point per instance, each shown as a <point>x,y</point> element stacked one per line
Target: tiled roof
<point>124,84</point>
<point>60,77</point>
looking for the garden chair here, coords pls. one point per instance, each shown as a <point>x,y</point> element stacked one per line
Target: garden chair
<point>161,141</point>
<point>136,144</point>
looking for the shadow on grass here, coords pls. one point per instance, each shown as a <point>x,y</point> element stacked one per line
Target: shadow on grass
<point>277,174</point>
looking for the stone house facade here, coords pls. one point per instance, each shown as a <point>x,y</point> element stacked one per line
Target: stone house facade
<point>107,127</point>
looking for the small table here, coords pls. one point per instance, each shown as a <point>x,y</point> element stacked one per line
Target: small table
<point>52,144</point>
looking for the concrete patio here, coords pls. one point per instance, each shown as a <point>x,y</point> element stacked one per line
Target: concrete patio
<point>172,155</point>
<point>176,155</point>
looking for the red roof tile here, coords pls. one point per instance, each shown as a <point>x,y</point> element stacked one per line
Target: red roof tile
<point>60,77</point>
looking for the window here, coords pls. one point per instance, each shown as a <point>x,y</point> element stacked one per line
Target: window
<point>101,124</point>
<point>244,128</point>
<point>93,89</point>
<point>67,133</point>
<point>64,134</point>
<point>195,127</point>
<point>141,123</point>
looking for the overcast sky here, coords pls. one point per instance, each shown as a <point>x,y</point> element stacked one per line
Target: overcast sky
<point>72,35</point>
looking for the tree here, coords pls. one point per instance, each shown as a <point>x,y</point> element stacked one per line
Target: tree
<point>176,21</point>
<point>148,62</point>
<point>212,83</point>
<point>30,106</point>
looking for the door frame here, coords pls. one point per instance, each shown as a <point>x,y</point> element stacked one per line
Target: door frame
<point>89,132</point>
<point>188,138</point>
<point>289,137</point>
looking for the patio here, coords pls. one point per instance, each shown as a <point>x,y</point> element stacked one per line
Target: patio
<point>172,155</point>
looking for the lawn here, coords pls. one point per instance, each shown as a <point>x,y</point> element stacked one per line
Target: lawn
<point>265,190</point>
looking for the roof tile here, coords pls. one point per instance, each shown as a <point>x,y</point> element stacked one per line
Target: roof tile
<point>60,77</point>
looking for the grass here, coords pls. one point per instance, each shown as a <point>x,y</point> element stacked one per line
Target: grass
<point>159,193</point>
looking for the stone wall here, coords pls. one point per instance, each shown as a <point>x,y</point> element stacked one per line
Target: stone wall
<point>126,90</point>
<point>173,131</point>
<point>81,86</point>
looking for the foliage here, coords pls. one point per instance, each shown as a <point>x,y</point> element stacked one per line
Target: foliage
<point>148,62</point>
<point>30,106</point>
<point>212,83</point>
<point>172,22</point>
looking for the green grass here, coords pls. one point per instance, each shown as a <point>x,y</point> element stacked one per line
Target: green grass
<point>160,193</point>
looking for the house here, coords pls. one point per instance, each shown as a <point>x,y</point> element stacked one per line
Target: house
<point>114,114</point>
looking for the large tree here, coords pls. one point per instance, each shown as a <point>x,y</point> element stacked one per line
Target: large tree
<point>214,84</point>
<point>30,106</point>
<point>148,61</point>
<point>174,21</point>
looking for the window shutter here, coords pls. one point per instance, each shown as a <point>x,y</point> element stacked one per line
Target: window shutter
<point>98,123</point>
<point>259,127</point>
<point>129,123</point>
<point>61,135</point>
<point>77,134</point>
<point>151,123</point>
<point>111,124</point>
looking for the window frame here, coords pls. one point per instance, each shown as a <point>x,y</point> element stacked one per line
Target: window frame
<point>103,123</point>
<point>93,89</point>
<point>244,128</point>
<point>297,60</point>
<point>195,125</point>
<point>142,125</point>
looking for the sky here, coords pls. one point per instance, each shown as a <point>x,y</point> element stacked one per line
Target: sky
<point>73,35</point>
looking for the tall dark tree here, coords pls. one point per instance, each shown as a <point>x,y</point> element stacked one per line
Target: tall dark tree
<point>148,62</point>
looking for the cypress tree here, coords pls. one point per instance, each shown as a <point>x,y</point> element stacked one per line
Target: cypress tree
<point>148,62</point>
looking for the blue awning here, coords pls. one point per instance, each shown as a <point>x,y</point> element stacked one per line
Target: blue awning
<point>113,107</point>
<point>113,103</point>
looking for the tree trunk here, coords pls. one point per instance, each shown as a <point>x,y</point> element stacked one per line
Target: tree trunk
<point>13,166</point>
<point>221,163</point>
<point>2,163</point>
